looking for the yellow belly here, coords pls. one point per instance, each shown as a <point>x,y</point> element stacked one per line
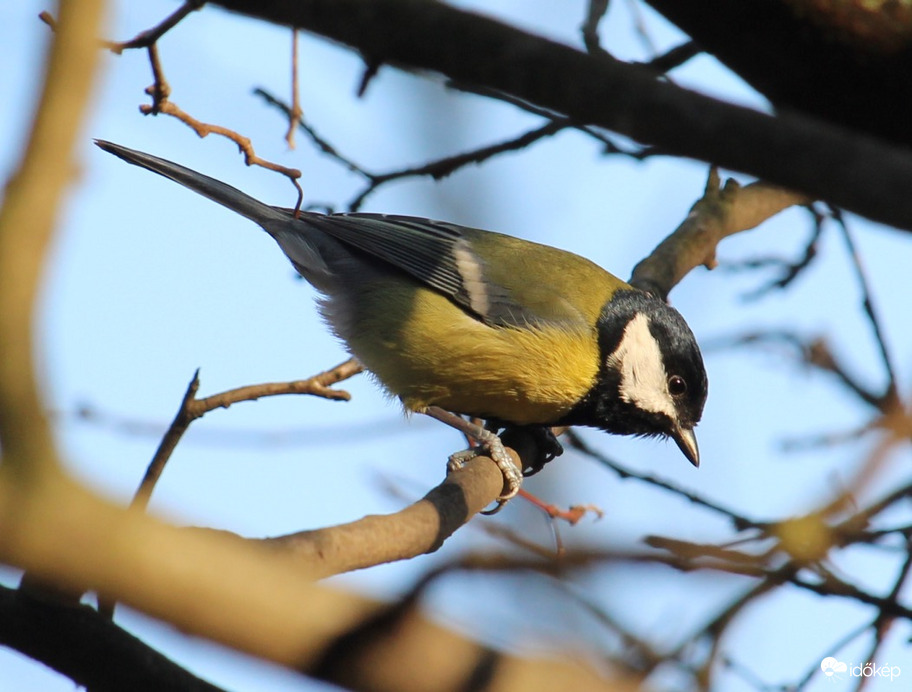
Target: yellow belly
<point>427,351</point>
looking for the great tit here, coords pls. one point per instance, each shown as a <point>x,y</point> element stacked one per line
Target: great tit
<point>456,320</point>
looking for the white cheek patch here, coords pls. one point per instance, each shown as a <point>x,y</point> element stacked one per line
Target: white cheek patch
<point>638,359</point>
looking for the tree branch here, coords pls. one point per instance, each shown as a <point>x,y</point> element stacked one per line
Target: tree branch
<point>721,212</point>
<point>796,152</point>
<point>72,639</point>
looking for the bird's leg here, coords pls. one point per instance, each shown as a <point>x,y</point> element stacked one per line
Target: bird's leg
<point>492,445</point>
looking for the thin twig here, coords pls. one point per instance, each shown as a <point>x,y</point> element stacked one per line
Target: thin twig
<point>371,68</point>
<point>891,395</point>
<point>739,521</point>
<point>160,91</point>
<point>192,408</point>
<point>230,436</point>
<point>675,57</point>
<point>437,169</point>
<point>147,38</point>
<point>321,143</point>
<point>639,25</point>
<point>295,112</point>
<point>638,654</point>
<point>595,11</point>
<point>815,352</point>
<point>789,270</point>
<point>143,39</point>
<point>834,649</point>
<point>447,165</point>
<point>883,622</point>
<point>609,146</point>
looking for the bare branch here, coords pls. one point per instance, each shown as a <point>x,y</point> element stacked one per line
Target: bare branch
<point>815,352</point>
<point>595,11</point>
<point>31,201</point>
<point>295,111</point>
<point>791,150</point>
<point>149,37</point>
<point>739,521</point>
<point>192,408</point>
<point>675,57</point>
<point>72,639</point>
<point>437,169</point>
<point>721,212</point>
<point>789,270</point>
<point>891,395</point>
<point>160,91</point>
<point>143,39</point>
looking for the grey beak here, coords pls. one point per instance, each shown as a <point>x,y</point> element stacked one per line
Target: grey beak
<point>687,443</point>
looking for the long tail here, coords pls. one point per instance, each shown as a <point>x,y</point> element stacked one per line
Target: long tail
<point>215,190</point>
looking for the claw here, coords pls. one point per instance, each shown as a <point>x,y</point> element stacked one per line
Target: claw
<point>494,448</point>
<point>489,443</point>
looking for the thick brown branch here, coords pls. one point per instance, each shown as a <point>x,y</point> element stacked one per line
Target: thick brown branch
<point>254,599</point>
<point>813,56</point>
<point>416,530</point>
<point>800,153</point>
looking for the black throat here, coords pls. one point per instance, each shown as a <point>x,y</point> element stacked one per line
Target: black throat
<point>603,407</point>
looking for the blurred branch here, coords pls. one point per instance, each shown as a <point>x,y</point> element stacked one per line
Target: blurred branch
<point>883,622</point>
<point>437,170</point>
<point>317,434</point>
<point>739,521</point>
<point>794,151</point>
<point>843,62</point>
<point>27,223</point>
<point>72,639</point>
<point>641,29</point>
<point>890,395</point>
<point>595,12</point>
<point>239,594</point>
<point>815,352</point>
<point>789,270</point>
<point>27,219</point>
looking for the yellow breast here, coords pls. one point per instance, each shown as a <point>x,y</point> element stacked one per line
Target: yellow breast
<point>427,351</point>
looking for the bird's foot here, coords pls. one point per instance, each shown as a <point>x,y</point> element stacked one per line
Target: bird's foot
<point>493,447</point>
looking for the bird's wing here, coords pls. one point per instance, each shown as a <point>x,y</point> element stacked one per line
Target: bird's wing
<point>502,280</point>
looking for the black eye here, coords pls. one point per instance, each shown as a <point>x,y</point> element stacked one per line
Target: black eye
<point>677,386</point>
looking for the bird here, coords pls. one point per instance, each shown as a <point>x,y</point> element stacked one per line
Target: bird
<point>458,321</point>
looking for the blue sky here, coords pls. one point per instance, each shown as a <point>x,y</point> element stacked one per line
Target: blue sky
<point>147,282</point>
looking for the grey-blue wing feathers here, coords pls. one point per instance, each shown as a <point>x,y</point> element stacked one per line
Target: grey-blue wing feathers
<point>437,254</point>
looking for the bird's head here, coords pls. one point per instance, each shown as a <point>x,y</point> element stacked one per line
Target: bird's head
<point>651,378</point>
